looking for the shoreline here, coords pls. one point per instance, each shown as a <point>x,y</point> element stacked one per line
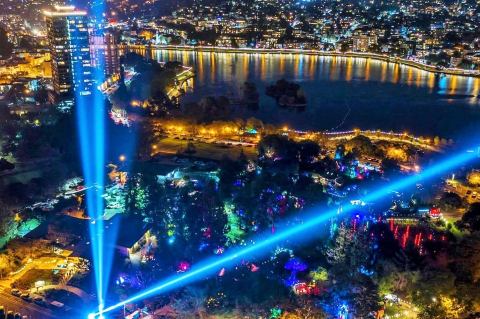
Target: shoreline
<point>373,56</point>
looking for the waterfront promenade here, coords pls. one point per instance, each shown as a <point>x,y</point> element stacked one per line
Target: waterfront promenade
<point>364,55</point>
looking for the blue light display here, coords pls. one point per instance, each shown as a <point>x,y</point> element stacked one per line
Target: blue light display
<point>298,233</point>
<point>90,113</point>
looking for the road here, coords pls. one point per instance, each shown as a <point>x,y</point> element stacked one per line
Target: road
<point>31,310</point>
<point>470,194</point>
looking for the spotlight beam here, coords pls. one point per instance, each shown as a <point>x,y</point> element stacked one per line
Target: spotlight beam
<point>90,111</point>
<point>263,243</point>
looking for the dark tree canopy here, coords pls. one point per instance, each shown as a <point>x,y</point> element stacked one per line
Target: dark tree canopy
<point>390,167</point>
<point>450,200</point>
<point>361,144</point>
<point>5,165</point>
<point>471,219</point>
<point>5,46</point>
<point>277,147</point>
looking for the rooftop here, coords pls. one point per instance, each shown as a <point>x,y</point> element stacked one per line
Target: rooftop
<point>64,11</point>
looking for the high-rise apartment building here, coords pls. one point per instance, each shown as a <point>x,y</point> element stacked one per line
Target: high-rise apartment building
<point>68,39</point>
<point>363,40</point>
<point>104,51</point>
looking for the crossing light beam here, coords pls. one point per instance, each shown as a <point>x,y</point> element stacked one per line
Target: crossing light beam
<point>298,233</point>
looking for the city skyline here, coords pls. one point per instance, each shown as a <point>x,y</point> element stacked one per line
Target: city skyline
<point>315,159</point>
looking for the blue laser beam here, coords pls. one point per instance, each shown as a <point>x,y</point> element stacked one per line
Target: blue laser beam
<point>298,233</point>
<point>92,148</point>
<point>90,112</point>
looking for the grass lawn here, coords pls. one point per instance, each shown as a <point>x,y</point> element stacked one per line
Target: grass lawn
<point>205,150</point>
<point>28,280</point>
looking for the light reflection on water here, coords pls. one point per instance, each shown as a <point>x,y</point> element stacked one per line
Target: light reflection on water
<point>378,94</point>
<point>307,67</point>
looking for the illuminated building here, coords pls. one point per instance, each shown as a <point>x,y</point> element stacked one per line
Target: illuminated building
<point>135,243</point>
<point>363,42</point>
<point>27,66</point>
<point>69,48</point>
<point>104,47</point>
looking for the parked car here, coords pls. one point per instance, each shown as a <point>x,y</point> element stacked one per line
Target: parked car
<point>56,305</point>
<point>15,292</point>
<point>25,296</point>
<point>39,301</point>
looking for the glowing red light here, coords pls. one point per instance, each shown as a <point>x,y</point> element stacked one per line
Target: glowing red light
<point>183,266</point>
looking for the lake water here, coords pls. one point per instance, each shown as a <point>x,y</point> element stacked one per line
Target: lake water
<point>342,93</point>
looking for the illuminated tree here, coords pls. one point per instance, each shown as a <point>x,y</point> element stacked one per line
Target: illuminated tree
<point>358,251</point>
<point>396,153</point>
<point>141,198</point>
<point>275,313</point>
<point>137,198</point>
<point>233,231</point>
<point>474,178</point>
<point>336,254</point>
<point>320,274</point>
<point>452,306</point>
